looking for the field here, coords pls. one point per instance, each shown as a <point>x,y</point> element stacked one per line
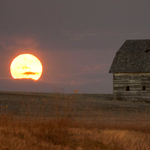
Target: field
<point>56,121</point>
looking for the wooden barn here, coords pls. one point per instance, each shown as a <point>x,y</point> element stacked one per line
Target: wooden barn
<point>131,71</point>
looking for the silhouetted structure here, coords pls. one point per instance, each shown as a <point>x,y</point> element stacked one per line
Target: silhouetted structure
<point>131,71</point>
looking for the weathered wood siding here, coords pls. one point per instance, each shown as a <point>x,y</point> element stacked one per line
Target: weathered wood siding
<point>135,81</point>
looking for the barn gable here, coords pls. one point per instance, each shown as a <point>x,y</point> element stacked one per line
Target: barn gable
<point>132,57</point>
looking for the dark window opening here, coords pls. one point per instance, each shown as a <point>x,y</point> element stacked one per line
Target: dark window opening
<point>143,88</point>
<point>146,51</point>
<point>127,88</point>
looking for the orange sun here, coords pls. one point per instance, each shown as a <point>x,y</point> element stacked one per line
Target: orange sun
<point>26,66</point>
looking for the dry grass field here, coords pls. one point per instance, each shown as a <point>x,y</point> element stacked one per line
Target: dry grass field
<point>42,121</point>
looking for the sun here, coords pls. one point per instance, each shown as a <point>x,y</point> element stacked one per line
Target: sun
<point>26,66</point>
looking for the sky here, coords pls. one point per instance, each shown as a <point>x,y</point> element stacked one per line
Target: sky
<point>76,41</point>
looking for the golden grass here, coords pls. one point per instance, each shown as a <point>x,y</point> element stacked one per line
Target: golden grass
<point>67,134</point>
<point>75,123</point>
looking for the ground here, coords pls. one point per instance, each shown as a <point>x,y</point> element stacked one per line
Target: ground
<point>72,121</point>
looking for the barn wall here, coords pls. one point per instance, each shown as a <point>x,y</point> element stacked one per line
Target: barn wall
<point>135,81</point>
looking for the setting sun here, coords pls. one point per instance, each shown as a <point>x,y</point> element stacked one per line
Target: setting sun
<point>26,66</point>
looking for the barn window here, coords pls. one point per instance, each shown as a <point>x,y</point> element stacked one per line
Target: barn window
<point>143,88</point>
<point>127,88</point>
<point>146,51</point>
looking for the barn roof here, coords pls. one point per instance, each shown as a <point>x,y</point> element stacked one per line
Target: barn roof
<point>132,57</point>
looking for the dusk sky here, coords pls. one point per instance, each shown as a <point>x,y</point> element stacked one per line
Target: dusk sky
<point>76,40</point>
